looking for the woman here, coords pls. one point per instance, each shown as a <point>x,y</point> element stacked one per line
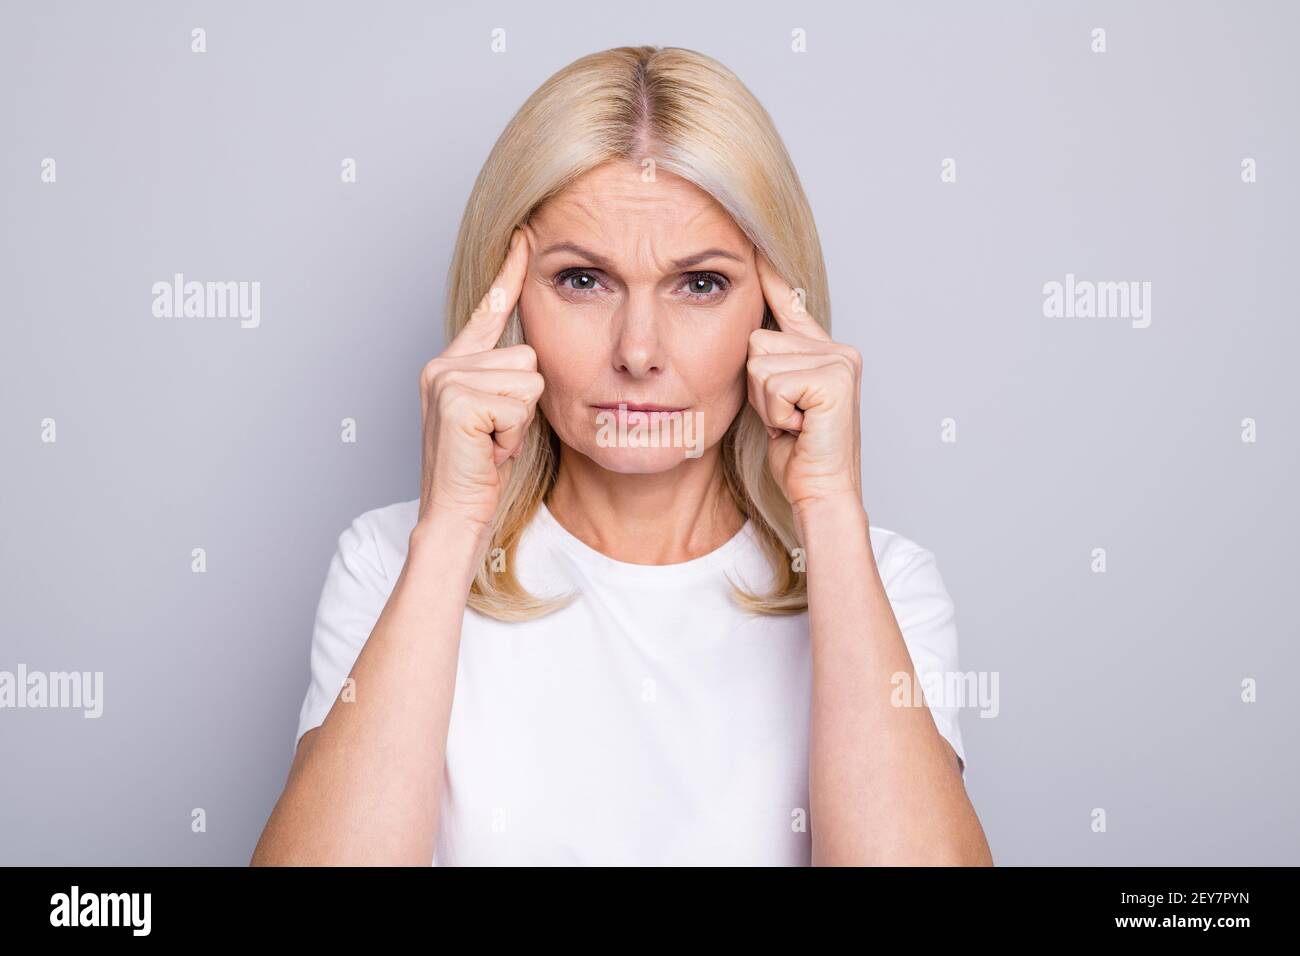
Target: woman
<point>637,614</point>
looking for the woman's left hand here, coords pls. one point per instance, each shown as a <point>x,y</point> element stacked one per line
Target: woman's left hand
<point>805,388</point>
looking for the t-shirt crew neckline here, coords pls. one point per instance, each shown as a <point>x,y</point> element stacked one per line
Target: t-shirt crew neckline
<point>722,556</point>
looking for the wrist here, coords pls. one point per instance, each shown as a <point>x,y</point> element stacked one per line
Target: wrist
<point>448,542</point>
<point>842,512</point>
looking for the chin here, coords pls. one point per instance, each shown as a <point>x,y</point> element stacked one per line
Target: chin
<point>637,461</point>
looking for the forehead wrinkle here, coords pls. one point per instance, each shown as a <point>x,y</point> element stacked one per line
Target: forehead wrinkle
<point>587,208</point>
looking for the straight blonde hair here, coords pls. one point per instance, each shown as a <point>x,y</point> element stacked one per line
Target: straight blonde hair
<point>662,108</point>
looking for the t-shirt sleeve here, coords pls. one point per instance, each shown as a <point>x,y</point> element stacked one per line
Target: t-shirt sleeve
<point>926,616</point>
<point>355,592</point>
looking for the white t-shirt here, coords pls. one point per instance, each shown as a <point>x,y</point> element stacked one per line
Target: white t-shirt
<point>650,722</point>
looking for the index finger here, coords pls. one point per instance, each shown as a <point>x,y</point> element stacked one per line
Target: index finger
<point>786,303</point>
<point>483,330</point>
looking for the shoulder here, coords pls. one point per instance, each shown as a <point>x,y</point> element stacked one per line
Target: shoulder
<point>909,572</point>
<point>895,553</point>
<point>391,524</point>
<point>928,622</point>
<point>380,536</point>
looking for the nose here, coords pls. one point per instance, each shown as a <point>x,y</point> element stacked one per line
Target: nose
<point>639,343</point>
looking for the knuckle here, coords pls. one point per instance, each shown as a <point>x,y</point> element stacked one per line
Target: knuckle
<point>430,371</point>
<point>851,355</point>
<point>447,377</point>
<point>452,399</point>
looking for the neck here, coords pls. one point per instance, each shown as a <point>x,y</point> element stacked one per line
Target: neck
<point>663,518</point>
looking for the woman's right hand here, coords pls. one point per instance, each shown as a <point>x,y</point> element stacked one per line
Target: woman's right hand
<point>477,403</point>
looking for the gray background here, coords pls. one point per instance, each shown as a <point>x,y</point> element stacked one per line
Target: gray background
<point>1118,690</point>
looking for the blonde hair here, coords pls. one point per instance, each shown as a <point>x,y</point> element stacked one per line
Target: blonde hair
<point>694,118</point>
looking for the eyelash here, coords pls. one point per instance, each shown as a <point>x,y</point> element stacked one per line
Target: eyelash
<point>722,283</point>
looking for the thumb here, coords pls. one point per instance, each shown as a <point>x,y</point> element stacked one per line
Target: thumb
<point>779,449</point>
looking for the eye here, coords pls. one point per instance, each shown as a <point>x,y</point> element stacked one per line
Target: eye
<point>581,281</point>
<point>706,286</point>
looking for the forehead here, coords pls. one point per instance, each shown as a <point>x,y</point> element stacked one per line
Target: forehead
<point>612,199</point>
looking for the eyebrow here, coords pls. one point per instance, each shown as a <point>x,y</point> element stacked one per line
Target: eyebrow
<point>604,263</point>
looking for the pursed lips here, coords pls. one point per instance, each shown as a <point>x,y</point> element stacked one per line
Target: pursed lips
<point>639,407</point>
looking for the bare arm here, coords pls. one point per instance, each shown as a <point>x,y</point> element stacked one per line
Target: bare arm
<point>884,785</point>
<point>365,788</point>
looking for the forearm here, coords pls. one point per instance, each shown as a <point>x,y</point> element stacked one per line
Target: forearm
<point>884,786</point>
<point>367,789</point>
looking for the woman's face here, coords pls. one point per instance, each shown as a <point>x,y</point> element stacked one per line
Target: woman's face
<point>641,293</point>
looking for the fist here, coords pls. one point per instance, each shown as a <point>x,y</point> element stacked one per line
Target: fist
<point>477,402</point>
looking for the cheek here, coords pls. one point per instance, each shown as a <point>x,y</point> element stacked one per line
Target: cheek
<point>551,331</point>
<point>713,360</point>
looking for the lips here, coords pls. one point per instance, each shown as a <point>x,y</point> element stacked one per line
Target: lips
<point>639,407</point>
